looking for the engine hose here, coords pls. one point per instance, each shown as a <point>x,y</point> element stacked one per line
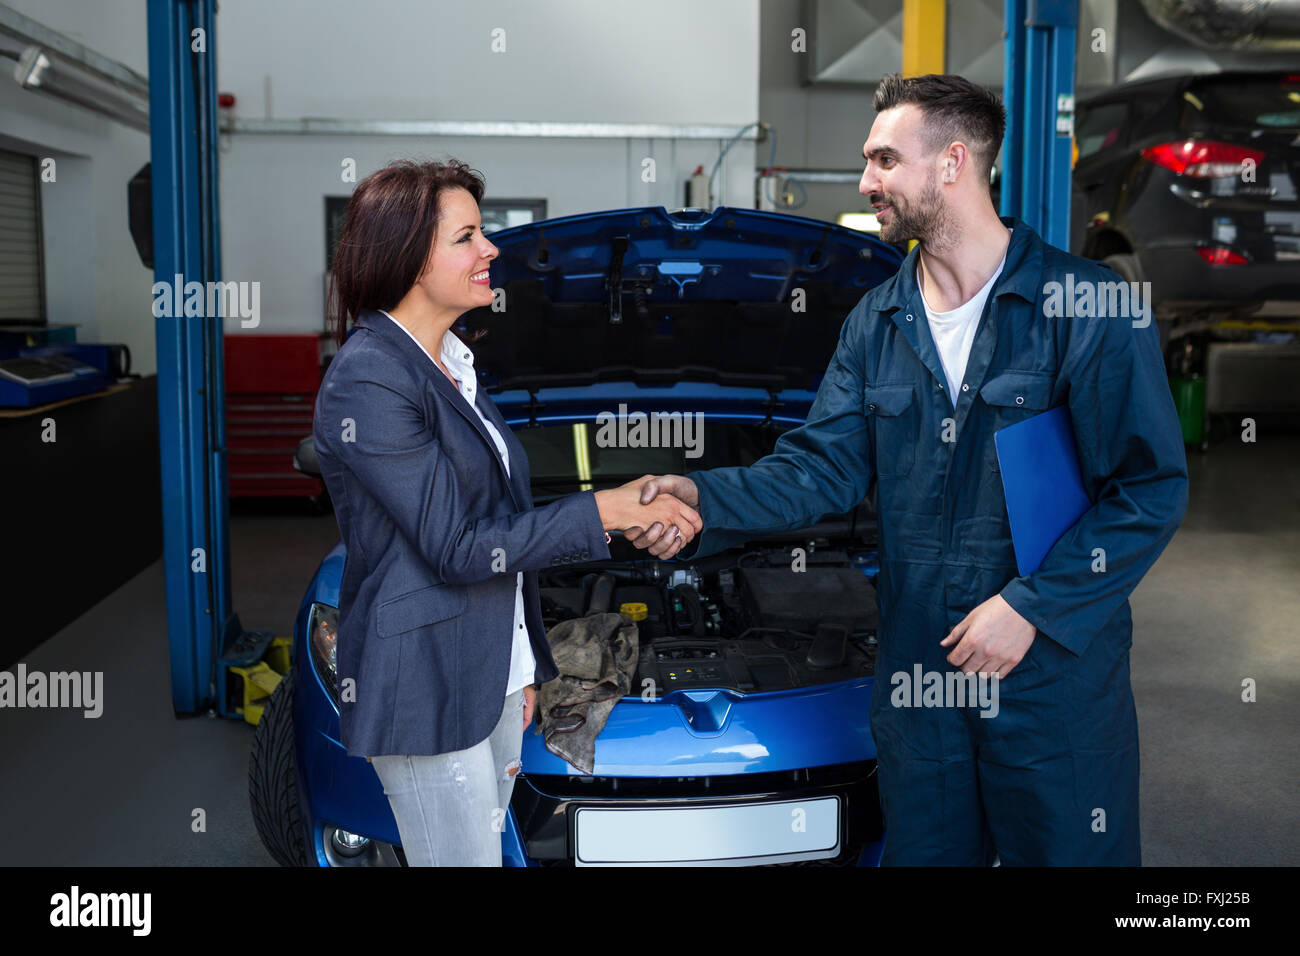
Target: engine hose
<point>602,593</point>
<point>690,599</point>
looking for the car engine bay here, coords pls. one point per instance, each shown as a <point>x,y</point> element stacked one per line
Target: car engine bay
<point>763,620</point>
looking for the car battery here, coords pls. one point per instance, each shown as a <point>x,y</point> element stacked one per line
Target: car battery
<point>801,600</point>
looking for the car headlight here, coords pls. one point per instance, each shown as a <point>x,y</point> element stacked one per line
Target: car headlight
<point>322,635</point>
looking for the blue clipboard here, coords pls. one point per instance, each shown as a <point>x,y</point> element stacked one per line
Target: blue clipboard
<point>1042,483</point>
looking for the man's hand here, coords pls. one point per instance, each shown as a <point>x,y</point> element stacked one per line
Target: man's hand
<point>628,509</point>
<point>664,542</point>
<point>530,698</point>
<point>991,639</point>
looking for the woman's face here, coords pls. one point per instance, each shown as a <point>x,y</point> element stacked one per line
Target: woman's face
<point>456,275</point>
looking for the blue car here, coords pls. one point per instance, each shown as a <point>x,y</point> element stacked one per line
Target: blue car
<point>745,736</point>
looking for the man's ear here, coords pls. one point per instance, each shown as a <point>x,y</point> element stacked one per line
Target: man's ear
<point>957,154</point>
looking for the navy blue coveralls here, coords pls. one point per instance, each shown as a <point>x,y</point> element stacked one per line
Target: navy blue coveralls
<point>1052,779</point>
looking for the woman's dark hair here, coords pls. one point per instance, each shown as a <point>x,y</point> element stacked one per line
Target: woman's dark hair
<point>387,234</point>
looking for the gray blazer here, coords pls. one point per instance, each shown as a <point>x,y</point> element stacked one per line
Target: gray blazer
<point>435,533</point>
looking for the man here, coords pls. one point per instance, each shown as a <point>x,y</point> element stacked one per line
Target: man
<point>964,340</point>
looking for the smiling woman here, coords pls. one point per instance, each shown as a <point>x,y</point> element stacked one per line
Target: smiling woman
<point>440,636</point>
<point>387,244</point>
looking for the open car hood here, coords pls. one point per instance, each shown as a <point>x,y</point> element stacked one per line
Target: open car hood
<point>736,296</point>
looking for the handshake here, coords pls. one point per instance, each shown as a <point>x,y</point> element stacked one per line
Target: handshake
<point>655,513</point>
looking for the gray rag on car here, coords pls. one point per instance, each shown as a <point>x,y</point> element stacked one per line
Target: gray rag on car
<point>596,656</point>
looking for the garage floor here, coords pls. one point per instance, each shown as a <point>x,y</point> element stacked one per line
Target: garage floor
<point>1219,775</point>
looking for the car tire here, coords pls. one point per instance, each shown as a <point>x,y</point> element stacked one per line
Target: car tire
<point>273,779</point>
<point>1126,264</point>
<point>1130,270</point>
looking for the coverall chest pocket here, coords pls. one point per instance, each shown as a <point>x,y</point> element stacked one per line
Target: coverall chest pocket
<point>1012,397</point>
<point>893,417</point>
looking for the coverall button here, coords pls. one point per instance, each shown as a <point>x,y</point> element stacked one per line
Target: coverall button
<point>965,388</point>
<point>872,406</point>
<point>1020,399</point>
<point>909,316</point>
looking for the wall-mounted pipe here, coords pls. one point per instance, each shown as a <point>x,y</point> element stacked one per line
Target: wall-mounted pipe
<point>320,126</point>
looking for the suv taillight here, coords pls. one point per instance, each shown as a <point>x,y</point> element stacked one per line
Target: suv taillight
<point>1202,159</point>
<point>1221,256</point>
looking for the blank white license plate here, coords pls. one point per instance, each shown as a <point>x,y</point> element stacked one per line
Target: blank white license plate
<point>709,836</point>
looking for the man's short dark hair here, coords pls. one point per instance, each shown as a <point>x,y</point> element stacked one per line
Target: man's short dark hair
<point>954,109</point>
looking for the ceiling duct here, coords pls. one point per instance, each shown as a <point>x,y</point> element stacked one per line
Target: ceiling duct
<point>1230,24</point>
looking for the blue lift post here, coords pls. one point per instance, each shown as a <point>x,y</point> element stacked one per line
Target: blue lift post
<point>191,378</point>
<point>1038,91</point>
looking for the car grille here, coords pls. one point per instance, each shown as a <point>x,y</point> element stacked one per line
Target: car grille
<point>544,805</point>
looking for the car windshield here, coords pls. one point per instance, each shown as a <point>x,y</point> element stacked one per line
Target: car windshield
<point>1267,102</point>
<point>563,458</point>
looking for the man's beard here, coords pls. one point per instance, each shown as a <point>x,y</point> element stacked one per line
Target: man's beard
<point>925,220</point>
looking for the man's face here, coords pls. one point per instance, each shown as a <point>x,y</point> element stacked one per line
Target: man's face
<point>901,178</point>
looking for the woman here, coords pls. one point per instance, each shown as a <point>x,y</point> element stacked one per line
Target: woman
<point>440,632</point>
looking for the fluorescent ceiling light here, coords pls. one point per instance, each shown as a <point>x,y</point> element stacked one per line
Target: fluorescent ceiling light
<point>42,71</point>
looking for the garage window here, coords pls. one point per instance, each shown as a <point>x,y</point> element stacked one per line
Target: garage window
<point>22,291</point>
<point>496,214</point>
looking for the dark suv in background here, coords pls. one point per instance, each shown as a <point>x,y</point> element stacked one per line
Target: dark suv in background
<point>1190,183</point>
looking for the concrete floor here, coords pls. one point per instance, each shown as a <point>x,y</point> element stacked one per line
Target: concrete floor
<point>1219,776</point>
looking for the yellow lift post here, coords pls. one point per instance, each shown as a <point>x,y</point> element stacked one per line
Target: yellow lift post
<point>924,23</point>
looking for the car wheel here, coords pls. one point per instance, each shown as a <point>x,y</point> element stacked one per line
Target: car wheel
<point>273,780</point>
<point>1126,264</point>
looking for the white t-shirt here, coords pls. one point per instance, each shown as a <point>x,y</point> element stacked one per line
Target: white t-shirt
<point>460,363</point>
<point>954,331</point>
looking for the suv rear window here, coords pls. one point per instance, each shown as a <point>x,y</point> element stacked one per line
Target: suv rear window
<point>1099,127</point>
<point>1265,103</point>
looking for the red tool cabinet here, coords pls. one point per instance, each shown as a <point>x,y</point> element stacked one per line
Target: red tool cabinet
<point>271,385</point>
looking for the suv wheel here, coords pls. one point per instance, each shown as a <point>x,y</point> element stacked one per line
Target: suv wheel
<point>1126,264</point>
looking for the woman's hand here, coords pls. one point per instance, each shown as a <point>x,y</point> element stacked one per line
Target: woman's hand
<point>660,539</point>
<point>621,508</point>
<point>530,698</point>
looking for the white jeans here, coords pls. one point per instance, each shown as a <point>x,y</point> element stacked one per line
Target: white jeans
<point>451,808</point>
